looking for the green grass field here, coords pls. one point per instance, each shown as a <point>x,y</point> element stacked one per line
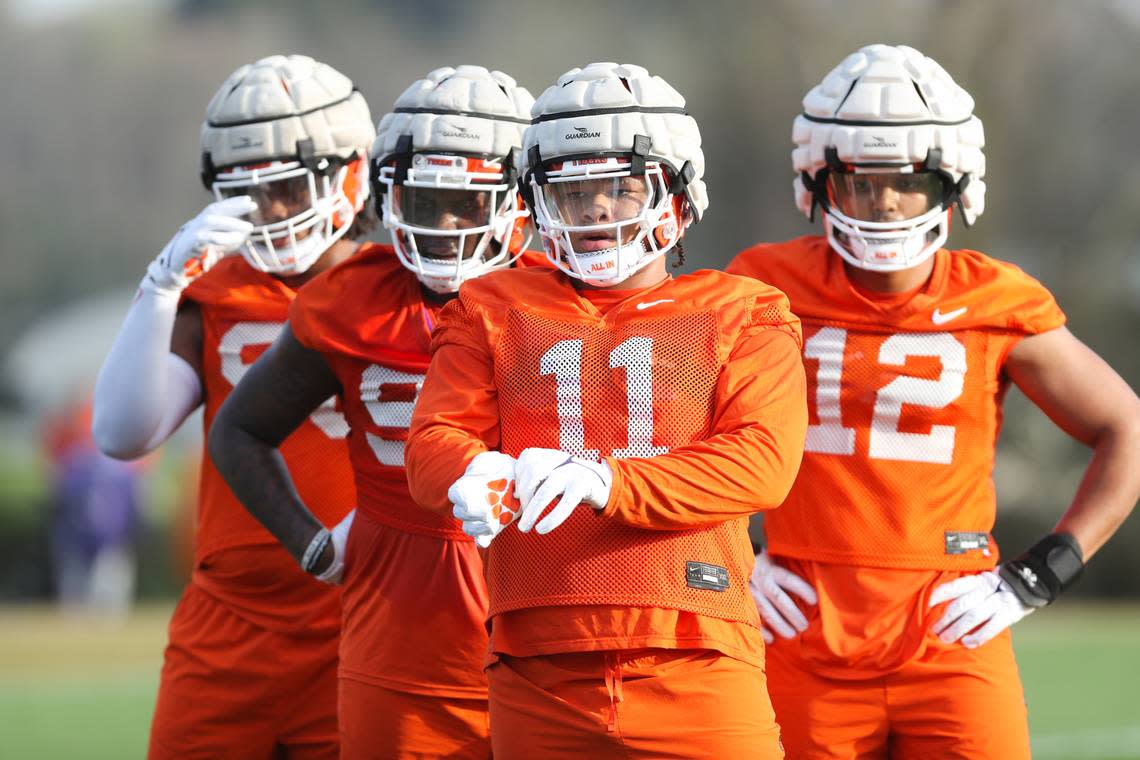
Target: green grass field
<point>78,688</point>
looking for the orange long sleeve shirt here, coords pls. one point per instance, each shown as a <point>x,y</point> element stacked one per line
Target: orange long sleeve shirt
<point>715,359</point>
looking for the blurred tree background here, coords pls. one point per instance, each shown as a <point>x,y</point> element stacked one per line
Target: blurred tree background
<point>102,102</point>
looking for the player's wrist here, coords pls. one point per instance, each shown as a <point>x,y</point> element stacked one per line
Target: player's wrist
<point>599,494</point>
<point>158,283</point>
<point>318,555</point>
<point>325,562</point>
<point>1039,575</point>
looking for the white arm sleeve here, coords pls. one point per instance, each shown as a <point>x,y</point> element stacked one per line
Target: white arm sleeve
<point>144,392</point>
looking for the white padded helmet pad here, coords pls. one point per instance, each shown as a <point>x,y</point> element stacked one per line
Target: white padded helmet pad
<point>891,105</point>
<point>599,109</point>
<point>264,109</point>
<point>466,110</point>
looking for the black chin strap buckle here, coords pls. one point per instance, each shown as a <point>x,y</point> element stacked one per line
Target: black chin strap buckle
<point>207,171</point>
<point>403,156</point>
<point>307,154</point>
<point>534,164</point>
<point>641,148</point>
<point>687,174</point>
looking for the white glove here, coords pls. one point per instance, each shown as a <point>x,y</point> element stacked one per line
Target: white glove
<point>769,586</point>
<point>547,474</point>
<point>983,600</point>
<point>334,573</point>
<point>199,244</point>
<point>483,498</point>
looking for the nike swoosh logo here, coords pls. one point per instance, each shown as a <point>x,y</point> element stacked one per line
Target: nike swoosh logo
<point>647,304</point>
<point>938,318</point>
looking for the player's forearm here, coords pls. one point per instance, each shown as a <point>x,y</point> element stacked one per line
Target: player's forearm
<point>1109,490</point>
<point>272,400</point>
<point>750,462</point>
<point>456,418</point>
<point>257,474</point>
<point>143,392</point>
<point>722,478</point>
<point>435,457</point>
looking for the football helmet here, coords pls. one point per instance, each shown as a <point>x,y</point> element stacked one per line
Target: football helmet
<point>445,174</point>
<point>613,168</point>
<point>293,134</point>
<point>886,145</point>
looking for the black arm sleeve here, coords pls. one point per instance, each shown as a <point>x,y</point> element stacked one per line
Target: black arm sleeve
<point>273,398</point>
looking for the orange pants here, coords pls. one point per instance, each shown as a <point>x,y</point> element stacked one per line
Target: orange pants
<point>412,646</point>
<point>232,689</point>
<point>659,703</point>
<point>385,724</point>
<point>948,702</point>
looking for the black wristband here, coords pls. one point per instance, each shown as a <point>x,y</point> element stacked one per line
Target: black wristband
<point>1050,566</point>
<point>315,549</point>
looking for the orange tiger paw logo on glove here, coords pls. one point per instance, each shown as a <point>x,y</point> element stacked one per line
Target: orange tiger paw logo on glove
<point>501,498</point>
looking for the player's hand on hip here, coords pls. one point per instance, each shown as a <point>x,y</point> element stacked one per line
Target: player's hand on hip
<point>770,586</point>
<point>199,244</point>
<point>548,474</point>
<point>483,498</point>
<point>334,573</point>
<point>981,606</point>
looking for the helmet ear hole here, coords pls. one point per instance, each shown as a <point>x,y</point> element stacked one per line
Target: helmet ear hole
<point>672,226</point>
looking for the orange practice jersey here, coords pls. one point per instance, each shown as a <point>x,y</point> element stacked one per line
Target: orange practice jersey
<point>692,391</point>
<point>415,599</point>
<point>369,320</point>
<point>243,311</point>
<point>904,397</point>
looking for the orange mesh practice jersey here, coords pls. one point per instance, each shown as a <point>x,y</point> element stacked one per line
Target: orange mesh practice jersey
<point>243,311</point>
<point>688,389</point>
<point>904,397</point>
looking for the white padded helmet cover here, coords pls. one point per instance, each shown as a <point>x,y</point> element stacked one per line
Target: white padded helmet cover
<point>629,98</point>
<point>264,109</point>
<point>466,109</point>
<point>891,104</point>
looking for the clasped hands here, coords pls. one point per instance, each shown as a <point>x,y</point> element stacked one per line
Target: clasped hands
<point>497,489</point>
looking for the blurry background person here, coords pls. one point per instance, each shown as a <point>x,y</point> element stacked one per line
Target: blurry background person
<point>95,517</point>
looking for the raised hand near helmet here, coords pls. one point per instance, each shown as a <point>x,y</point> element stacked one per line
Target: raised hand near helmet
<point>199,244</point>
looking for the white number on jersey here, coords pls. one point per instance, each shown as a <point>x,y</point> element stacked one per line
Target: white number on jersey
<point>389,414</point>
<point>564,361</point>
<point>245,335</point>
<point>886,440</point>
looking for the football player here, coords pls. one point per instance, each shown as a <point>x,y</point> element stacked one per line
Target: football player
<point>881,587</point>
<point>250,669</point>
<point>444,167</point>
<point>606,429</point>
